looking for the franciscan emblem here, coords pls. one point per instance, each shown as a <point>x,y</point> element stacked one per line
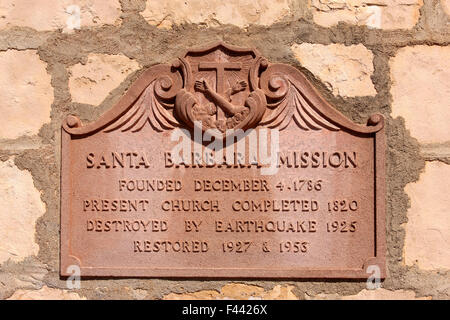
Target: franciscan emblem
<point>220,93</point>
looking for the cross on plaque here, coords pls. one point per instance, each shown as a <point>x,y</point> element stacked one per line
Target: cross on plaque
<point>220,68</point>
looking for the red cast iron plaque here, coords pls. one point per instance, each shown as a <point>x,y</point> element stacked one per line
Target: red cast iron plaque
<point>301,194</point>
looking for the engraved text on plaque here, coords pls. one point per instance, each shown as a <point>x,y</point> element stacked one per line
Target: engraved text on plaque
<point>223,165</point>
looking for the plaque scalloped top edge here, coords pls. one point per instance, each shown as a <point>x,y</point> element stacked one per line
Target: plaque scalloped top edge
<point>254,93</point>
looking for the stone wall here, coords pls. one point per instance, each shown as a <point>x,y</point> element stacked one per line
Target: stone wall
<point>388,56</point>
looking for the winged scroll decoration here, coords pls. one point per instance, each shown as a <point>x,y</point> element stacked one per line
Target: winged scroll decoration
<point>221,87</point>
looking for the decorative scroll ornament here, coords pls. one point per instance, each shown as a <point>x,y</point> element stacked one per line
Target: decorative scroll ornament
<point>222,87</point>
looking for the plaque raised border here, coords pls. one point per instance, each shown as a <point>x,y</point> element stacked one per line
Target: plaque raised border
<point>276,94</point>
